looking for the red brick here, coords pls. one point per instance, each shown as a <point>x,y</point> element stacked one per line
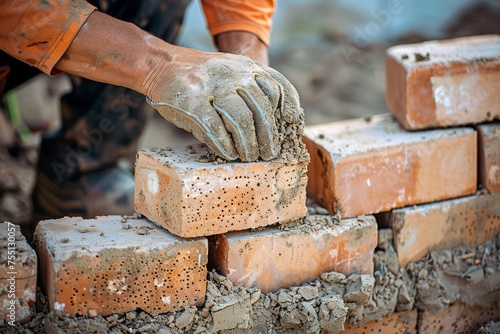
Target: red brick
<point>274,258</point>
<point>458,83</point>
<point>18,265</point>
<point>396,323</point>
<point>466,221</point>
<point>362,167</point>
<point>457,319</point>
<point>489,155</point>
<point>180,191</point>
<point>114,265</point>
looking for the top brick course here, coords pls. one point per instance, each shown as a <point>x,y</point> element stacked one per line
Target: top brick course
<point>370,166</point>
<point>444,83</point>
<point>180,190</point>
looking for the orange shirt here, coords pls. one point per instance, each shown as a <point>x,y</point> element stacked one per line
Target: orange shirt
<point>230,15</point>
<point>40,32</point>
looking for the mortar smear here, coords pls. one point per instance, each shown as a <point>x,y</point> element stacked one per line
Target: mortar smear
<point>469,275</point>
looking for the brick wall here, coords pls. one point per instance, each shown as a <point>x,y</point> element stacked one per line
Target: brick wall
<point>435,188</point>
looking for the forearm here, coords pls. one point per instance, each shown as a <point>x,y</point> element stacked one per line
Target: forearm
<point>115,52</point>
<point>243,43</point>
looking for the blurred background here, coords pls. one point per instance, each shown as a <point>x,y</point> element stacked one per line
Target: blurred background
<point>331,50</point>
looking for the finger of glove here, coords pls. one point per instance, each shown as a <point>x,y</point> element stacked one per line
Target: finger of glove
<point>205,124</point>
<point>264,118</point>
<point>238,120</point>
<point>289,100</point>
<point>270,89</point>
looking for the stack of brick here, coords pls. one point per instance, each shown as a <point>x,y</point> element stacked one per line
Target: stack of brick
<point>189,201</point>
<point>419,173</point>
<point>187,197</point>
<point>240,208</point>
<point>419,167</point>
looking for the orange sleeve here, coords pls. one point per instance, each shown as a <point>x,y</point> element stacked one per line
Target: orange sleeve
<point>39,32</point>
<point>230,15</point>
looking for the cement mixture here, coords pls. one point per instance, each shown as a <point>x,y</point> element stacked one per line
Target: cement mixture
<point>490,328</point>
<point>470,275</point>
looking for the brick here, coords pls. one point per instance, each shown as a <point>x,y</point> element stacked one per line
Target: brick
<point>444,83</point>
<point>370,166</point>
<point>17,283</point>
<point>467,221</point>
<point>113,265</point>
<point>276,258</point>
<point>396,323</point>
<point>181,191</point>
<point>458,318</point>
<point>489,155</point>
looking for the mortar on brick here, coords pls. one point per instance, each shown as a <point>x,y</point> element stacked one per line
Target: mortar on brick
<point>108,265</point>
<point>294,253</point>
<point>467,221</point>
<point>468,275</point>
<point>490,328</point>
<point>286,311</point>
<point>180,191</point>
<point>16,252</point>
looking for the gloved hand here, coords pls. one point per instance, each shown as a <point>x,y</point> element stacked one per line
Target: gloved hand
<point>228,102</point>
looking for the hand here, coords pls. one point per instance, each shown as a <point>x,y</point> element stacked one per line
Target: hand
<point>227,101</point>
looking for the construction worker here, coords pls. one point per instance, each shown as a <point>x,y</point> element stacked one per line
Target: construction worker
<point>117,51</point>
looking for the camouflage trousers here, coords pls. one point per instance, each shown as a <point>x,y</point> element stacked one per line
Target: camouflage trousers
<point>103,123</point>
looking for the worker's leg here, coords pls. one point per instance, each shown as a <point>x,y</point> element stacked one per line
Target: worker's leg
<point>77,170</point>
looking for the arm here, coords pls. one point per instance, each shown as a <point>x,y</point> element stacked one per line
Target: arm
<point>71,36</point>
<point>241,27</point>
<point>116,52</point>
<point>227,101</point>
<point>243,43</point>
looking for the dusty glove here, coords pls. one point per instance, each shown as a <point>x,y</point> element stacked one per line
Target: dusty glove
<point>230,104</point>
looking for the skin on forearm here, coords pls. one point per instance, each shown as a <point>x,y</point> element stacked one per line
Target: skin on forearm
<point>115,52</point>
<point>243,43</point>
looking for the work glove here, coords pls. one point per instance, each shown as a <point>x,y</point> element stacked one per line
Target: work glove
<point>231,103</point>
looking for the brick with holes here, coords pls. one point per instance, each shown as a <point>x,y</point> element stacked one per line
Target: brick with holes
<point>180,190</point>
<point>489,155</point>
<point>458,318</point>
<point>275,258</point>
<point>113,264</point>
<point>367,166</point>
<point>467,221</point>
<point>396,323</point>
<point>444,83</point>
<point>18,273</point>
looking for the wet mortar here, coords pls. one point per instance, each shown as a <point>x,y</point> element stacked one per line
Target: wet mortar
<point>469,275</point>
